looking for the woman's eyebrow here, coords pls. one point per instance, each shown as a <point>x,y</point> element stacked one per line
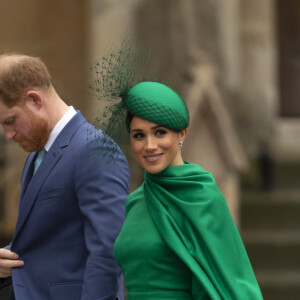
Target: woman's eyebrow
<point>136,129</point>
<point>155,127</point>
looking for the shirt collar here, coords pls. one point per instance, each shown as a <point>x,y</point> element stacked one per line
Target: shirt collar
<point>60,126</point>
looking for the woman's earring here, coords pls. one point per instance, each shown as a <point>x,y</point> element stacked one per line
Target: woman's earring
<point>180,144</point>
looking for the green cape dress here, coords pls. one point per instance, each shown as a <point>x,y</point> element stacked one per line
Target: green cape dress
<point>179,241</point>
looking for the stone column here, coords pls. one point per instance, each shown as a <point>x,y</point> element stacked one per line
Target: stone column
<point>258,72</point>
<point>230,42</point>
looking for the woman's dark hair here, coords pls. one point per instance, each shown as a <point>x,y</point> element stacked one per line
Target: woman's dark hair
<point>129,117</point>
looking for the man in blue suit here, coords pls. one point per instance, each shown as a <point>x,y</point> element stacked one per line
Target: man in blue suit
<point>74,185</point>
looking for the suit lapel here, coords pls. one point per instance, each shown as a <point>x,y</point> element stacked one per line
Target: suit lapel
<point>31,188</point>
<point>30,194</point>
<point>27,173</point>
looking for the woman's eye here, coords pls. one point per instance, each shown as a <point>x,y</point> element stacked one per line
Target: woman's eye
<point>138,135</point>
<point>160,132</point>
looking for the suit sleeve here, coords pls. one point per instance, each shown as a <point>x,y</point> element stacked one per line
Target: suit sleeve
<point>4,282</point>
<point>102,187</point>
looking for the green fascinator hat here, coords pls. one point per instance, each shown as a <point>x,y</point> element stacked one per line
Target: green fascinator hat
<point>113,81</point>
<point>157,103</point>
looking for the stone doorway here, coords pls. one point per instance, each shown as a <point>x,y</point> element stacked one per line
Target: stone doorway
<point>288,22</point>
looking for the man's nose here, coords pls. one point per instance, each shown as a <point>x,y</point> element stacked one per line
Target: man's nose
<point>9,133</point>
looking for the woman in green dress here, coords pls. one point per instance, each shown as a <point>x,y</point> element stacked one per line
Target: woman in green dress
<point>179,240</point>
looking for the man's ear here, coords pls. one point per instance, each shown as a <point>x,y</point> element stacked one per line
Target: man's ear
<point>34,99</point>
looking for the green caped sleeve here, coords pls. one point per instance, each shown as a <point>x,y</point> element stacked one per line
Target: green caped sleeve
<point>192,216</point>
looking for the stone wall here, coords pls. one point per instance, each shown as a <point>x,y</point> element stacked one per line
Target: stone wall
<point>56,31</point>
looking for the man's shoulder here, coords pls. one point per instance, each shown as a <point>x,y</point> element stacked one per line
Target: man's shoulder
<point>86,133</point>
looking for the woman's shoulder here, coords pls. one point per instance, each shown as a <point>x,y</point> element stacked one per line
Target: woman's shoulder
<point>136,193</point>
<point>196,168</point>
<point>134,196</point>
<point>192,172</point>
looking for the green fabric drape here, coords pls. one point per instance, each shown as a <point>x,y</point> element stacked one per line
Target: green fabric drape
<point>193,219</point>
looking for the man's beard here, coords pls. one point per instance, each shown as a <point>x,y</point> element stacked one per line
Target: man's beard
<point>37,137</point>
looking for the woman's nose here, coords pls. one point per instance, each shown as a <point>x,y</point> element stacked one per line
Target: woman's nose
<point>150,144</point>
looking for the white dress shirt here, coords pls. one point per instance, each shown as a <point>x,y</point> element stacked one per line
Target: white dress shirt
<point>60,126</point>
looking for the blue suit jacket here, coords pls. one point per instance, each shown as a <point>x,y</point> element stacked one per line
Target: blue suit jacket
<point>70,213</point>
